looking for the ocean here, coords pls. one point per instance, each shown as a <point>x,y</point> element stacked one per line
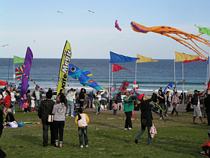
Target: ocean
<point>150,76</point>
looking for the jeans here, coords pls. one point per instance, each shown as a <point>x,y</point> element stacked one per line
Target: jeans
<point>70,109</point>
<point>45,126</point>
<point>141,132</point>
<point>59,129</point>
<point>208,117</point>
<point>128,123</point>
<point>83,138</point>
<point>37,103</point>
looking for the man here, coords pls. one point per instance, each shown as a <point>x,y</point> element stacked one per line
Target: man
<point>44,110</point>
<point>207,106</point>
<point>196,106</point>
<point>37,95</point>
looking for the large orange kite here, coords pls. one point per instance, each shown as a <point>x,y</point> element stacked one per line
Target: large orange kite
<point>184,38</point>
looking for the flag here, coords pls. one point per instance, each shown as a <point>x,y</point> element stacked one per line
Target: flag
<point>143,59</point>
<point>204,30</point>
<point>64,67</point>
<point>168,87</point>
<point>26,71</point>
<point>19,72</point>
<point>116,25</point>
<point>116,68</point>
<point>18,60</point>
<point>117,58</point>
<point>124,86</point>
<point>186,58</point>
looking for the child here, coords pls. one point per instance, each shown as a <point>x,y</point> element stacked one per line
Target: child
<point>206,147</point>
<point>82,121</point>
<point>33,104</point>
<point>25,106</point>
<point>97,105</point>
<point>114,107</point>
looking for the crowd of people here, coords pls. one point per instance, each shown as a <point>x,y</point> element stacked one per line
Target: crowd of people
<point>53,109</point>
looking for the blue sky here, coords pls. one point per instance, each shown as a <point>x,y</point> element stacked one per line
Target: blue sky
<point>92,35</point>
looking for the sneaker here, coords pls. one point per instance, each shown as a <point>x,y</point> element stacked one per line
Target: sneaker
<point>129,128</point>
<point>81,146</point>
<point>86,146</point>
<point>125,129</point>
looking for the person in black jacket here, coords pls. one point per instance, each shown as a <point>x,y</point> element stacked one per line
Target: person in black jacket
<point>207,106</point>
<point>146,119</point>
<point>1,120</point>
<point>44,110</point>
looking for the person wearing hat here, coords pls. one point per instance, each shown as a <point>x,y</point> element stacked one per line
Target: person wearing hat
<point>146,118</point>
<point>196,106</point>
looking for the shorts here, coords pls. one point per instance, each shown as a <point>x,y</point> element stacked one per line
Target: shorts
<point>197,111</point>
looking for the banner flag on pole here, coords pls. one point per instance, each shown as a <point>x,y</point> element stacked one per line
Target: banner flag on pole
<point>118,58</point>
<point>64,67</point>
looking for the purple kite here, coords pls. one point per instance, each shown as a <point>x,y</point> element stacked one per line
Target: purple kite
<point>117,25</point>
<point>26,71</point>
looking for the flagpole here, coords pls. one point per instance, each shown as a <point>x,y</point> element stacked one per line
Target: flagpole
<point>135,79</point>
<point>8,70</point>
<point>109,84</point>
<point>183,82</point>
<point>175,73</point>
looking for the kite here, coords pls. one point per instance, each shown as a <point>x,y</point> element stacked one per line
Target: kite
<point>116,25</point>
<point>91,11</point>
<point>59,12</point>
<point>83,77</point>
<point>19,72</point>
<point>184,38</point>
<point>203,30</point>
<point>5,45</point>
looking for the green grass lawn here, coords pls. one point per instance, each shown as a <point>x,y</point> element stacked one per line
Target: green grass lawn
<point>177,138</point>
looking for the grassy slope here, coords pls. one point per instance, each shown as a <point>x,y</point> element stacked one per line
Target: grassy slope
<point>177,137</point>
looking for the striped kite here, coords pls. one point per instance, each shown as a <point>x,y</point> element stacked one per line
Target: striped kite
<point>184,38</point>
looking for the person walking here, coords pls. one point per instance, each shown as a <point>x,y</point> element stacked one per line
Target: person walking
<point>146,119</point>
<point>59,111</point>
<point>161,101</point>
<point>44,110</point>
<point>175,101</point>
<point>196,106</point>
<point>128,108</point>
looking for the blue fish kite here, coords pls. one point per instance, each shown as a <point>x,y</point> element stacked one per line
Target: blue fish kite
<point>169,86</point>
<point>83,77</point>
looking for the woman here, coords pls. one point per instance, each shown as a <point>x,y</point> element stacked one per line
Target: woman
<point>82,96</point>
<point>128,108</point>
<point>59,111</point>
<point>146,119</point>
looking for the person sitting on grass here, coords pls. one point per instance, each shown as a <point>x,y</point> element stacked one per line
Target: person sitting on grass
<point>146,119</point>
<point>82,120</point>
<point>206,147</point>
<point>10,119</point>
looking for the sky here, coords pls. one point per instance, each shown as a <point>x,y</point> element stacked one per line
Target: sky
<point>45,25</point>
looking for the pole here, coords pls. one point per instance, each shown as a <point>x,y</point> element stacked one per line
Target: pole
<point>8,70</point>
<point>135,79</point>
<point>175,73</point>
<point>183,83</point>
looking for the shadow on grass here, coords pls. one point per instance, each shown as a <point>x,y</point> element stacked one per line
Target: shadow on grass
<point>106,125</point>
<point>177,146</point>
<point>33,140</point>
